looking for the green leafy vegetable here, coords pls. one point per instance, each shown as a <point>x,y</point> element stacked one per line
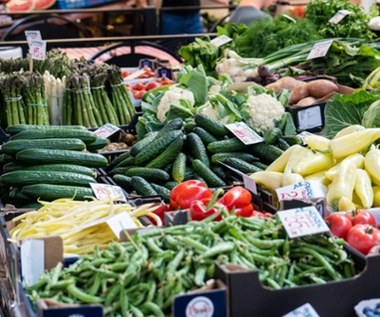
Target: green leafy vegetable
<point>371,118</point>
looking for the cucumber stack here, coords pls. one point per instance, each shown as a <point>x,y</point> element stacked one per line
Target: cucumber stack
<point>191,150</point>
<point>49,162</point>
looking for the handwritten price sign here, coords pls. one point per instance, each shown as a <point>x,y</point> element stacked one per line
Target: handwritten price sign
<point>106,130</point>
<point>37,50</point>
<point>320,49</point>
<point>104,191</point>
<point>300,222</point>
<point>339,16</point>
<point>33,36</point>
<point>301,191</point>
<point>244,133</point>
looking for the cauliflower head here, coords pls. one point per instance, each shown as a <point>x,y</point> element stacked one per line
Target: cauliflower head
<point>264,110</point>
<point>173,97</point>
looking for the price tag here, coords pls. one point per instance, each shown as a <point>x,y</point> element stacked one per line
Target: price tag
<point>37,50</point>
<point>33,36</point>
<point>249,183</point>
<point>104,191</point>
<point>320,49</point>
<point>146,63</point>
<point>303,135</point>
<point>164,72</point>
<point>309,118</point>
<point>221,40</point>
<point>32,254</point>
<point>339,16</point>
<point>244,133</point>
<point>304,221</point>
<point>301,191</point>
<point>305,310</point>
<point>106,130</point>
<point>134,75</point>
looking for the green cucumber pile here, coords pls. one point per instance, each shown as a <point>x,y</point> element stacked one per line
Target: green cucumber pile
<point>191,150</point>
<point>141,277</point>
<point>49,162</point>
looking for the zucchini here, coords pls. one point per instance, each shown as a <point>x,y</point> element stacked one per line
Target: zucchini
<point>14,129</point>
<point>168,155</point>
<point>51,192</point>
<point>214,127</point>
<point>149,174</point>
<point>40,156</point>
<point>123,181</point>
<point>70,168</point>
<point>137,147</point>
<point>282,144</point>
<point>222,156</point>
<point>163,191</point>
<point>98,144</point>
<point>179,167</point>
<point>229,145</point>
<point>197,148</point>
<point>156,147</point>
<point>14,146</point>
<point>271,136</point>
<point>172,125</point>
<point>24,177</point>
<point>267,153</point>
<point>142,187</point>
<point>86,136</point>
<point>171,184</point>
<point>242,166</point>
<point>206,137</point>
<point>207,174</point>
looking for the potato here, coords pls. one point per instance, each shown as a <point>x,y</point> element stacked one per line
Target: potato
<point>288,83</point>
<point>321,87</point>
<point>299,93</point>
<point>306,102</point>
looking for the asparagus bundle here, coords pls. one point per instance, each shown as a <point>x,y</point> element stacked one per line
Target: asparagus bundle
<point>54,90</point>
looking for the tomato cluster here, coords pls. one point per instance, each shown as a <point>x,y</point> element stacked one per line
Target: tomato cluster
<point>140,88</point>
<point>358,228</point>
<point>148,73</point>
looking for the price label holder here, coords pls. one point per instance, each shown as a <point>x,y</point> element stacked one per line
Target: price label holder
<point>248,182</point>
<point>32,35</point>
<point>106,130</point>
<point>305,221</point>
<point>320,49</point>
<point>244,133</point>
<point>146,63</point>
<point>71,311</point>
<point>221,40</point>
<point>339,16</point>
<point>305,310</point>
<point>164,72</point>
<point>105,191</point>
<point>310,118</point>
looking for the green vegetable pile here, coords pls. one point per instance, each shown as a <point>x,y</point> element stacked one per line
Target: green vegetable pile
<point>141,277</point>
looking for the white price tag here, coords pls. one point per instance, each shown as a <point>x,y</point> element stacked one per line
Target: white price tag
<point>303,135</point>
<point>104,191</point>
<point>339,16</point>
<point>304,221</point>
<point>37,50</point>
<point>309,118</point>
<point>244,133</point>
<point>32,254</point>
<point>302,191</point>
<point>320,49</point>
<point>33,36</point>
<point>106,130</point>
<point>221,40</point>
<point>305,310</point>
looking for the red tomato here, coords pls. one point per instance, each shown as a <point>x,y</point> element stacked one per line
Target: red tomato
<point>125,73</point>
<point>339,224</point>
<point>362,217</point>
<point>166,81</point>
<point>138,86</point>
<point>151,85</point>
<point>363,237</point>
<point>138,94</point>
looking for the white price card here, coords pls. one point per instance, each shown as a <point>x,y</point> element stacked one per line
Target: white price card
<point>339,16</point>
<point>301,191</point>
<point>221,40</point>
<point>32,253</point>
<point>244,133</point>
<point>106,130</point>
<point>320,49</point>
<point>305,310</point>
<point>305,221</point>
<point>37,49</point>
<point>309,118</point>
<point>105,191</point>
<point>303,136</point>
<point>32,35</point>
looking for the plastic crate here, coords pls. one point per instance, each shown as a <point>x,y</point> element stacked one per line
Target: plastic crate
<point>76,4</point>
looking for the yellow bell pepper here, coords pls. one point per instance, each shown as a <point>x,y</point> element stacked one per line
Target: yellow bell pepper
<point>357,158</point>
<point>372,165</point>
<point>291,178</point>
<point>376,196</point>
<point>317,143</point>
<point>349,129</point>
<point>313,164</point>
<point>319,177</point>
<point>298,154</point>
<point>279,164</point>
<point>269,180</point>
<point>363,188</point>
<point>353,142</point>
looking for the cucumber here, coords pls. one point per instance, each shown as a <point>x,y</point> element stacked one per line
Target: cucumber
<point>207,174</point>
<point>98,144</point>
<point>86,136</point>
<point>122,170</point>
<point>189,174</point>
<point>142,187</point>
<point>70,168</point>
<point>260,165</point>
<point>218,170</point>
<point>123,181</point>
<point>51,192</point>
<point>13,166</point>
<point>189,126</point>
<point>149,174</point>
<point>293,140</point>
<point>24,177</point>
<point>14,146</point>
<point>119,159</point>
<point>171,125</point>
<point>126,162</point>
<point>266,152</point>
<point>179,167</point>
<point>41,156</point>
<point>222,156</point>
<point>171,184</point>
<point>229,145</point>
<point>242,166</point>
<point>33,205</point>
<point>137,147</point>
<point>14,129</point>
<point>157,147</point>
<point>214,127</point>
<point>2,159</point>
<point>197,148</point>
<point>271,136</point>
<point>206,137</point>
<point>163,191</point>
<point>15,194</point>
<point>168,155</point>
<point>282,144</point>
